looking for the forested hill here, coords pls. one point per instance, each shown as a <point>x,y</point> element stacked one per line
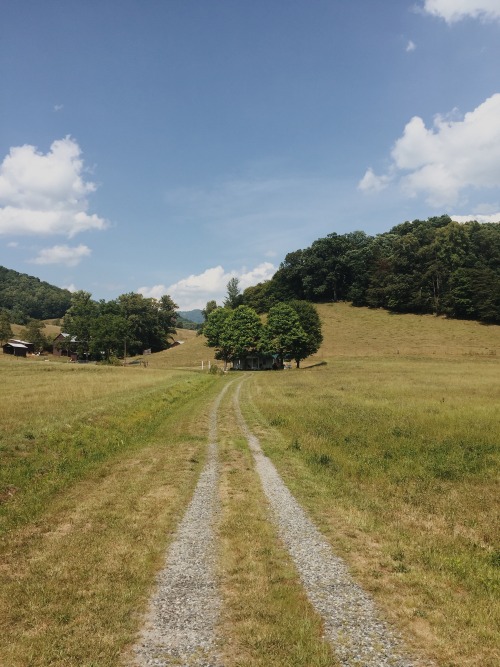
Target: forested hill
<point>433,266</point>
<point>25,297</point>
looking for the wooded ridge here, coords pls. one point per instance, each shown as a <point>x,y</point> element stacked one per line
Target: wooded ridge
<point>435,266</point>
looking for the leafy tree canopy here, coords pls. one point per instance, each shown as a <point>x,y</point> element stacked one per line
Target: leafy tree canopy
<point>5,328</point>
<point>240,332</point>
<point>25,297</point>
<point>132,322</point>
<point>234,297</point>
<point>283,335</point>
<point>426,266</point>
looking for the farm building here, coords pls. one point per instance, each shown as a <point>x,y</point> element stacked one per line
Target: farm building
<point>18,348</point>
<point>64,345</point>
<point>255,362</point>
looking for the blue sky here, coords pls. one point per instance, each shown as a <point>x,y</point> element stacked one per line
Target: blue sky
<point>165,146</point>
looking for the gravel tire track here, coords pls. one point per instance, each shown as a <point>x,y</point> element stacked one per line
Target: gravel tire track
<point>358,635</point>
<point>180,624</point>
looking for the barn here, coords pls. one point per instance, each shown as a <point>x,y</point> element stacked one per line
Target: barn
<point>64,345</point>
<point>16,348</point>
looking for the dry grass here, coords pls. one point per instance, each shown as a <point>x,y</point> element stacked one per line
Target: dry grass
<point>190,354</point>
<point>104,467</point>
<point>392,445</point>
<point>396,457</point>
<point>50,330</point>
<point>363,332</point>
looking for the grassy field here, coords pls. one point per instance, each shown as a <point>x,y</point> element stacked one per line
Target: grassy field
<point>395,454</point>
<point>389,436</point>
<point>97,465</point>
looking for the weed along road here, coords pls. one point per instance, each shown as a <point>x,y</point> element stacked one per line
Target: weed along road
<point>201,616</point>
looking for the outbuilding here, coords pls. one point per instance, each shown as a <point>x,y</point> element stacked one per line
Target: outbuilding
<point>64,345</point>
<point>17,349</point>
<point>255,362</point>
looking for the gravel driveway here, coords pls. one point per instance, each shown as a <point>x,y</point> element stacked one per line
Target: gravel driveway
<point>181,623</point>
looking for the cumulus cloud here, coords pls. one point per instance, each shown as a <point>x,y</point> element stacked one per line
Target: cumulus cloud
<point>478,217</point>
<point>195,290</point>
<point>441,162</point>
<point>456,10</point>
<point>411,46</point>
<point>62,254</point>
<point>373,183</point>
<point>46,193</point>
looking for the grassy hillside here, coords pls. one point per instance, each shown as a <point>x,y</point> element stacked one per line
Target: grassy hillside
<point>190,354</point>
<point>353,332</point>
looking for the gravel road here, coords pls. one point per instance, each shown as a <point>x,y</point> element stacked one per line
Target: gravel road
<point>180,628</point>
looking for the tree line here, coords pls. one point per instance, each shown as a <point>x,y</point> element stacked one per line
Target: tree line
<point>127,325</point>
<point>24,297</point>
<point>103,330</point>
<point>434,266</point>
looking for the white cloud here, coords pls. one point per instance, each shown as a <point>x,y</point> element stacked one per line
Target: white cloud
<point>12,244</point>
<point>195,290</point>
<point>58,107</point>
<point>494,217</point>
<point>46,193</point>
<point>373,183</point>
<point>411,46</point>
<point>441,162</point>
<point>456,10</point>
<point>70,288</point>
<point>62,254</point>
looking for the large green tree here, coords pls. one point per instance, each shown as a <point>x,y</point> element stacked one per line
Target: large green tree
<point>234,297</point>
<point>310,322</point>
<point>151,322</point>
<point>283,335</point>
<point>131,321</point>
<point>79,319</point>
<point>214,331</point>
<point>242,331</point>
<point>233,333</point>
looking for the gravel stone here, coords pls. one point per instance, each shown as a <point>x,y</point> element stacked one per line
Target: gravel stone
<point>180,624</point>
<point>352,625</point>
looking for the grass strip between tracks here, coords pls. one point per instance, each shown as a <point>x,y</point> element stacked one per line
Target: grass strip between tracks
<point>267,620</point>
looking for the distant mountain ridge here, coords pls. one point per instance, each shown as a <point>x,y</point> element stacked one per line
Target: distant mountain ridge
<point>195,315</point>
<point>25,297</point>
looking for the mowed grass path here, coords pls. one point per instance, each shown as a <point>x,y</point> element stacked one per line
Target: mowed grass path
<point>396,456</point>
